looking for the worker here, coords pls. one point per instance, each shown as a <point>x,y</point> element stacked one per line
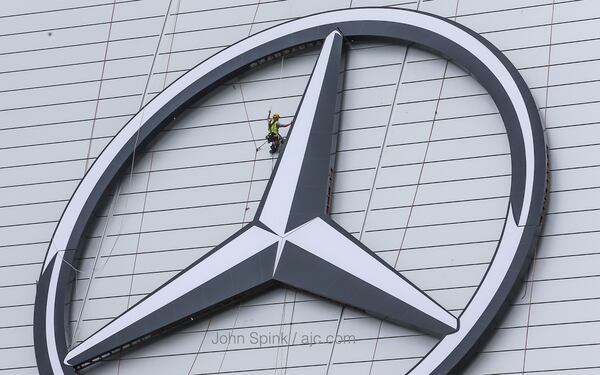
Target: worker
<point>273,136</point>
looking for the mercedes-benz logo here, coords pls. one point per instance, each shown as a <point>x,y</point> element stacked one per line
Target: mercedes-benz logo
<point>292,240</point>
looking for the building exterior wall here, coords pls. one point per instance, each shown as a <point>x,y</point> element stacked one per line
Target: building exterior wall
<point>422,176</point>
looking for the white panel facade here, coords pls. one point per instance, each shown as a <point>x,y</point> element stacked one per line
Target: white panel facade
<point>422,176</point>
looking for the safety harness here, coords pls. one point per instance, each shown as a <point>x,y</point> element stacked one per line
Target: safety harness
<point>273,129</point>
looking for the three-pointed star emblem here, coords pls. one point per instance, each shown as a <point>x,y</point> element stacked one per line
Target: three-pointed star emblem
<point>291,241</point>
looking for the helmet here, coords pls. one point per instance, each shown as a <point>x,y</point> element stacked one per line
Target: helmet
<point>276,115</point>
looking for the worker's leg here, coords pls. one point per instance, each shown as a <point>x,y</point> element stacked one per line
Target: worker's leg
<point>274,145</point>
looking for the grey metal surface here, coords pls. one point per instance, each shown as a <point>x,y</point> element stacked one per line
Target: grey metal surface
<point>561,294</point>
<point>483,61</point>
<point>297,170</point>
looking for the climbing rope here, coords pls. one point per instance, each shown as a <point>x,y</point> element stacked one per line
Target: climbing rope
<point>200,346</point>
<point>377,340</point>
<point>151,154</point>
<point>256,149</point>
<point>110,24</point>
<point>535,251</point>
<point>87,159</point>
<point>94,265</point>
<point>237,315</point>
<point>281,324</point>
<point>289,343</point>
<point>246,209</point>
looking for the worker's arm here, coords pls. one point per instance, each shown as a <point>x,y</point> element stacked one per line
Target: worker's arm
<point>285,126</point>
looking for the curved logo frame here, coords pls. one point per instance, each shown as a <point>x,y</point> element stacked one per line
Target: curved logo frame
<point>446,38</point>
